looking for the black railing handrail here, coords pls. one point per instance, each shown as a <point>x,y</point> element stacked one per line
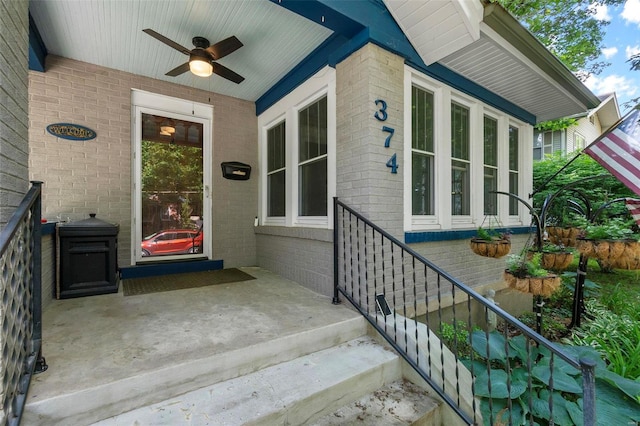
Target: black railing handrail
<point>586,366</point>
<point>477,296</point>
<point>29,210</point>
<point>9,230</point>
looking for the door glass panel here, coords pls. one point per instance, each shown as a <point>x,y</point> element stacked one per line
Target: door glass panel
<point>171,186</point>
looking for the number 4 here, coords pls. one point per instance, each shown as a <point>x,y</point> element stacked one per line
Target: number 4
<point>392,163</point>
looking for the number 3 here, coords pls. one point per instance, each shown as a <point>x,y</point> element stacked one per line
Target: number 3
<point>381,114</point>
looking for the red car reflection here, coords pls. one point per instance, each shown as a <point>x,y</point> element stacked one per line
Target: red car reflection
<point>172,241</point>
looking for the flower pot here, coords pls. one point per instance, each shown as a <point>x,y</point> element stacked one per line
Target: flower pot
<point>562,236</point>
<point>538,286</point>
<point>558,261</point>
<point>618,254</point>
<point>495,249</point>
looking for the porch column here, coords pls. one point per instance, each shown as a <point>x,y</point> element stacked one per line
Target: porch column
<point>369,84</point>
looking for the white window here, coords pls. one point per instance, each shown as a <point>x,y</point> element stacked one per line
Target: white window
<point>312,149</point>
<point>460,152</point>
<point>276,171</point>
<point>460,160</point>
<point>578,141</point>
<point>422,152</point>
<point>297,155</point>
<point>490,166</point>
<point>514,159</point>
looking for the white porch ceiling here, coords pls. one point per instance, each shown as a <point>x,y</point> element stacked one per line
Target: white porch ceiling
<point>109,33</point>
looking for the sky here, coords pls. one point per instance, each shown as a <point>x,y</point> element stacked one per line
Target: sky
<point>622,39</point>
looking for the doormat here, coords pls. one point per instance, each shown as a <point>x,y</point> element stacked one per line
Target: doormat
<point>145,285</point>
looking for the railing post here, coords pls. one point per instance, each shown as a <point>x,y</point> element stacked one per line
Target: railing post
<point>36,216</point>
<point>336,252</point>
<point>588,367</point>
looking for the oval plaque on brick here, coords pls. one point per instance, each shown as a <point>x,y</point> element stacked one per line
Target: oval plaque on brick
<point>74,132</point>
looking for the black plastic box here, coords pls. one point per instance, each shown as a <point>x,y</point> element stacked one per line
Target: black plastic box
<point>235,170</point>
<point>87,258</point>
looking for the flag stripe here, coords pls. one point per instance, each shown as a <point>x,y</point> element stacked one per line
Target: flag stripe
<point>619,151</point>
<point>611,153</point>
<point>634,208</point>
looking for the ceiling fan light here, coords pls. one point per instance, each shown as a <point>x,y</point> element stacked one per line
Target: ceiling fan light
<point>200,66</point>
<point>164,133</point>
<point>167,130</point>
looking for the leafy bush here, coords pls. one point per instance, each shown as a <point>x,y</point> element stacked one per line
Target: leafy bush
<point>456,337</point>
<point>612,229</point>
<point>521,267</point>
<point>601,190</point>
<point>513,381</point>
<point>615,336</point>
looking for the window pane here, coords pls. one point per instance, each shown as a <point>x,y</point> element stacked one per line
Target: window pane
<point>513,148</point>
<point>422,119</point>
<point>276,194</point>
<point>459,132</point>
<point>513,168</point>
<point>490,141</point>
<point>276,171</point>
<point>422,184</point>
<point>275,147</point>
<point>490,184</point>
<point>459,188</point>
<point>312,131</point>
<point>513,189</point>
<point>313,188</point>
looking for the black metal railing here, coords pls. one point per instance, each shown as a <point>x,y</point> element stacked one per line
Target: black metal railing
<point>442,329</point>
<point>20,305</point>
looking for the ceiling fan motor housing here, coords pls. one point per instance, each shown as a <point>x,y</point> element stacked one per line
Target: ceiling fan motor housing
<point>200,42</point>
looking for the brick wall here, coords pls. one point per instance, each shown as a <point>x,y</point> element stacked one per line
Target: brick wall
<point>14,37</point>
<point>82,177</point>
<point>364,181</point>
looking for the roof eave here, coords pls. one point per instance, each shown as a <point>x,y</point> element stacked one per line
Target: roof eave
<point>503,23</point>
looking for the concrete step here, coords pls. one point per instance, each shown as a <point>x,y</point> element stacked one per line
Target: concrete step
<point>120,396</point>
<point>396,404</point>
<point>295,392</point>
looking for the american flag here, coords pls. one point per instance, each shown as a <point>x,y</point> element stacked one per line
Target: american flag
<point>618,150</point>
<point>633,205</point>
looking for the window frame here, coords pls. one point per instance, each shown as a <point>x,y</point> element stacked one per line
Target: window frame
<point>442,219</point>
<point>287,109</point>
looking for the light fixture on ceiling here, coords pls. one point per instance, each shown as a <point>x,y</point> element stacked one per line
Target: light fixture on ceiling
<point>163,133</point>
<point>199,63</point>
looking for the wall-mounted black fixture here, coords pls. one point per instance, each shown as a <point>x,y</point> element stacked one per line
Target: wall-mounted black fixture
<point>235,170</point>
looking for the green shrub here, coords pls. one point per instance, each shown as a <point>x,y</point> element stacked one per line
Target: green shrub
<point>513,382</point>
<point>456,337</point>
<point>616,337</point>
<point>612,229</point>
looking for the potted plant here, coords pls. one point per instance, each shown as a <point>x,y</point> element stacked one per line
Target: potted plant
<point>491,243</point>
<point>525,273</point>
<point>556,257</point>
<point>565,230</point>
<point>612,242</point>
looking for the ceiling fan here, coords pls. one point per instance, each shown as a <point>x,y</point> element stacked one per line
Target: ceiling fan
<point>203,56</point>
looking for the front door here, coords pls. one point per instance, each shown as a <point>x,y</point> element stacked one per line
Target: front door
<point>171,214</point>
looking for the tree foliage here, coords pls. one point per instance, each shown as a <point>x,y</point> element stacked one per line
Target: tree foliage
<point>597,190</point>
<point>568,28</point>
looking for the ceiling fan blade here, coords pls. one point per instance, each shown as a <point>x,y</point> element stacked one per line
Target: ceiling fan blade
<point>167,41</point>
<point>224,47</point>
<point>178,70</point>
<point>225,72</point>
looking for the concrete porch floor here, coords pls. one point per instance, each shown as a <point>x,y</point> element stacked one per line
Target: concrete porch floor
<point>92,341</point>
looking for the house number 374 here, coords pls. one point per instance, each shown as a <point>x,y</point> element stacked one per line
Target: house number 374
<point>381,115</point>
